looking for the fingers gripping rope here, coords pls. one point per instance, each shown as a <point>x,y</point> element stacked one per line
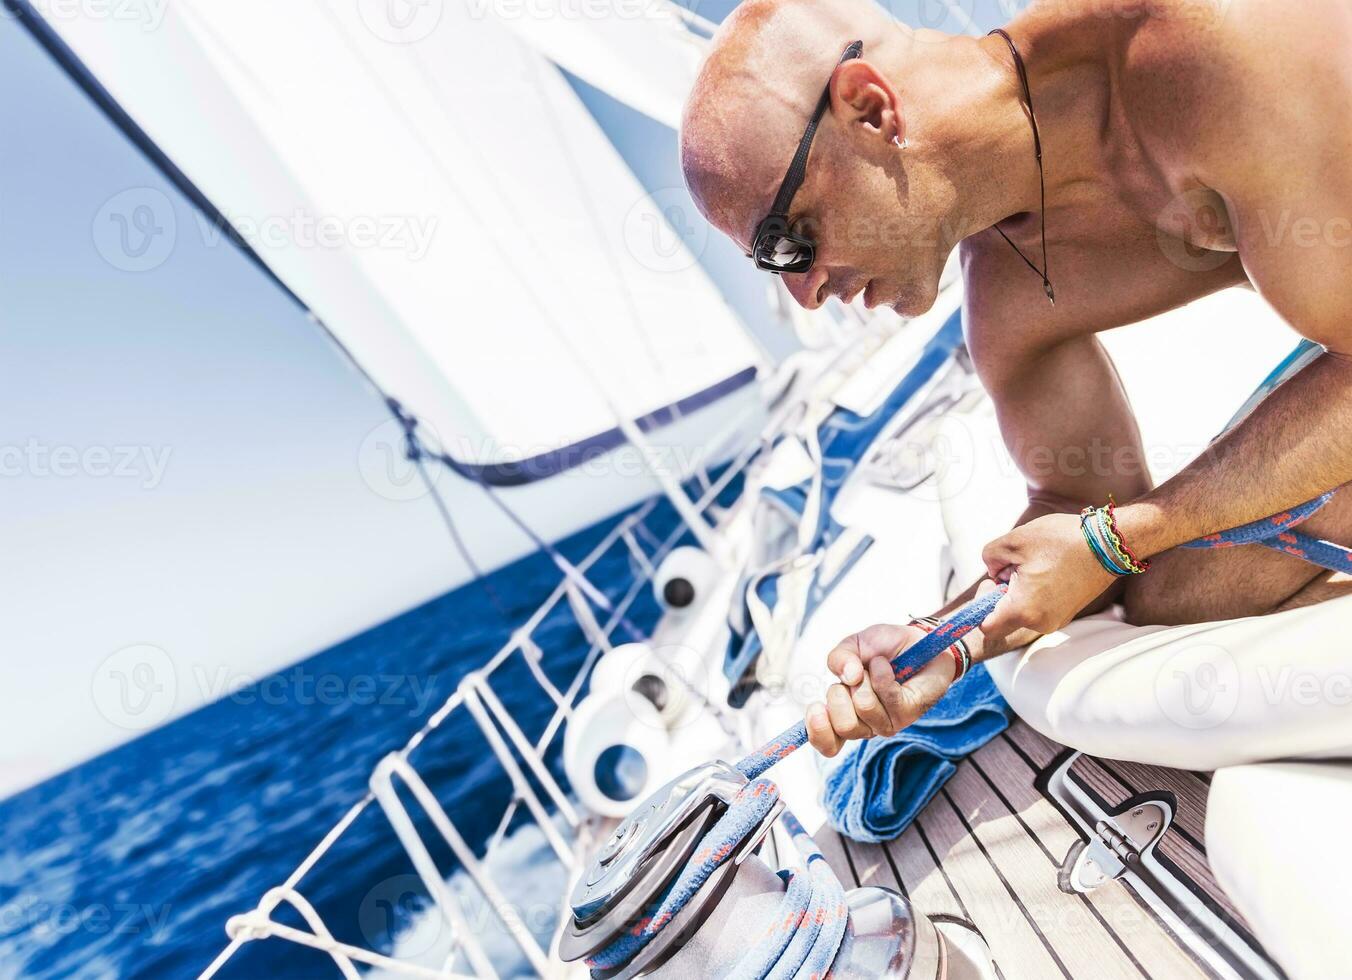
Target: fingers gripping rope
<point>805,936</point>
<point>904,665</point>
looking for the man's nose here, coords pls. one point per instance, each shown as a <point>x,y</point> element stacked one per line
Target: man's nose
<point>808,288</point>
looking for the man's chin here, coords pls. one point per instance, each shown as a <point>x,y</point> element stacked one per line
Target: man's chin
<point>915,299</point>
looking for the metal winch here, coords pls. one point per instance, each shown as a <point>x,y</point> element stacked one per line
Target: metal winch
<point>739,901</point>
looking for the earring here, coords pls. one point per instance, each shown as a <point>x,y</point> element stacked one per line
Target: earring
<point>900,143</point>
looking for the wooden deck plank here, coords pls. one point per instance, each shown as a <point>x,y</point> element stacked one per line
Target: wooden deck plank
<point>1079,938</point>
<point>1134,926</point>
<point>1039,749</point>
<point>921,878</point>
<point>833,849</point>
<point>872,866</point>
<point>1014,939</point>
<point>987,850</point>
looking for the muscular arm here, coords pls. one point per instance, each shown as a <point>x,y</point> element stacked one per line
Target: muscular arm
<point>1066,422</point>
<point>1256,114</point>
<point>1286,91</point>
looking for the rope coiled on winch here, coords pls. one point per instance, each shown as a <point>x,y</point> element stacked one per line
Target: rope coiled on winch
<point>805,936</point>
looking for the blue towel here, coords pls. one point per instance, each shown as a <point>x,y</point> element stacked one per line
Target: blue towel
<point>877,787</point>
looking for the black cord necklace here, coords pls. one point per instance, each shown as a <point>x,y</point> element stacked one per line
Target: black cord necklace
<point>1041,181</point>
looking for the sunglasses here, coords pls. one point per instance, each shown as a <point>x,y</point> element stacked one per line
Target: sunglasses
<point>776,248</point>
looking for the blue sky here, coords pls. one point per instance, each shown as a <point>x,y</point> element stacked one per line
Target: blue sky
<point>178,447</point>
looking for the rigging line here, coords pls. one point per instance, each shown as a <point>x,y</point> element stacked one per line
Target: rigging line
<point>99,95</point>
<point>51,42</point>
<point>405,418</point>
<point>417,449</point>
<point>460,543</point>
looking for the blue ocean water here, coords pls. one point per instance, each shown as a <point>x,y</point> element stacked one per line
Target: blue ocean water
<point>130,864</point>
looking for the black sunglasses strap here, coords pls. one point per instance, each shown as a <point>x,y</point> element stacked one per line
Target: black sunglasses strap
<point>793,178</point>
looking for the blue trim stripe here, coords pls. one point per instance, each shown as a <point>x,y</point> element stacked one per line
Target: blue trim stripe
<point>544,465</point>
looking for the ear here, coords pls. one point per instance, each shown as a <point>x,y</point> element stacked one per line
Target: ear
<point>863,99</point>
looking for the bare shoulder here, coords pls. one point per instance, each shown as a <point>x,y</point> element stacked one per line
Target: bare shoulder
<point>1210,81</point>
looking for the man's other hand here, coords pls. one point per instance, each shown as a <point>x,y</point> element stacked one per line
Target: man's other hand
<point>869,700</point>
<point>1052,575</point>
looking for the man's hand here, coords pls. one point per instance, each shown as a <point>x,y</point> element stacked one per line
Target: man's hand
<point>869,700</point>
<point>1052,575</point>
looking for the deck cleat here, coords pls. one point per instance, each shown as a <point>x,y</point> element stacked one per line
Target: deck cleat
<point>644,854</point>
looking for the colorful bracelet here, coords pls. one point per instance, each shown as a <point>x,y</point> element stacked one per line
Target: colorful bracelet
<point>962,653</point>
<point>1099,527</point>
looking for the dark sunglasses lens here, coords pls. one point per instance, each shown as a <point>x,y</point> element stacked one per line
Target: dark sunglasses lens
<point>784,253</point>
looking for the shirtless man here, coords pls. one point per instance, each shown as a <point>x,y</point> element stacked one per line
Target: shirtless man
<point>1189,146</point>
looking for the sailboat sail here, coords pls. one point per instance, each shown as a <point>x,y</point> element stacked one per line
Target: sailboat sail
<point>439,197</point>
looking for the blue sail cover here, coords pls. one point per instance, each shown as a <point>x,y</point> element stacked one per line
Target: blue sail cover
<point>844,437</point>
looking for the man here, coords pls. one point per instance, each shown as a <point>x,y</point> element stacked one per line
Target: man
<point>1184,143</point>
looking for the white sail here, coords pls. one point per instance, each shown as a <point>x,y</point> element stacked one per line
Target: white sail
<point>639,51</point>
<point>436,193</point>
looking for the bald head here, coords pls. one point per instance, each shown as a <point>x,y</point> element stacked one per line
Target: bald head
<point>756,91</point>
